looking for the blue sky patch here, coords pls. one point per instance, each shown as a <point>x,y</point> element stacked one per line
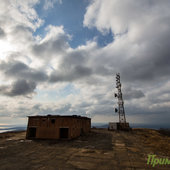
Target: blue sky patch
<point>70,14</point>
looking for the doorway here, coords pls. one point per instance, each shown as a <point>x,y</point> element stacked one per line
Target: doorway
<point>64,133</point>
<point>32,132</point>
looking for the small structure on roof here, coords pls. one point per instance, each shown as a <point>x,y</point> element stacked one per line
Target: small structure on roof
<point>118,126</point>
<point>57,127</point>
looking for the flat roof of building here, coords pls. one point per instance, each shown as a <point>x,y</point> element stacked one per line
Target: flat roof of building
<point>56,116</point>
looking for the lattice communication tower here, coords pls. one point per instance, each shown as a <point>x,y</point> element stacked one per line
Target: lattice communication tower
<point>120,109</point>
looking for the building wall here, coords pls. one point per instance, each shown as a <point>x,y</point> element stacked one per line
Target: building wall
<point>49,127</point>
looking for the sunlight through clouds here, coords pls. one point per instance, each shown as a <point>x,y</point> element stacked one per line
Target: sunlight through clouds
<point>60,57</point>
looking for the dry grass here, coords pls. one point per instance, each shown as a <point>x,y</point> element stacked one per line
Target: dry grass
<point>100,149</point>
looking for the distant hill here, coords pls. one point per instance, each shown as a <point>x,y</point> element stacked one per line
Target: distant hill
<point>135,125</point>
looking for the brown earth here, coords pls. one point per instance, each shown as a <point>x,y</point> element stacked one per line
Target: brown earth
<point>100,150</point>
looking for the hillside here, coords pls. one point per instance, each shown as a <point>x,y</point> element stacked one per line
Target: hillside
<point>100,149</point>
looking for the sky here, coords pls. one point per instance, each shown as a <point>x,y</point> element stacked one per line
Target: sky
<point>61,57</point>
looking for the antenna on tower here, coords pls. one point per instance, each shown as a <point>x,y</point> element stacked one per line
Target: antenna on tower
<point>119,95</point>
<point>122,124</point>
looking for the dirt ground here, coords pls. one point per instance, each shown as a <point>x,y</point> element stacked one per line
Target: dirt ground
<point>99,150</point>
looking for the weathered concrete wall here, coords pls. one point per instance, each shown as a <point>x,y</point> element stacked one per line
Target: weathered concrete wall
<point>49,127</point>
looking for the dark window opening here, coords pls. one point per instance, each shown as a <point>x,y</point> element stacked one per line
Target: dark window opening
<point>64,133</point>
<point>53,121</point>
<point>32,132</point>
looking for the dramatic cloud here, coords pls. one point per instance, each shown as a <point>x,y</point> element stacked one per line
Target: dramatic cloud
<point>19,87</point>
<point>148,43</point>
<point>17,69</point>
<point>125,16</point>
<point>81,80</point>
<point>19,13</point>
<point>54,43</point>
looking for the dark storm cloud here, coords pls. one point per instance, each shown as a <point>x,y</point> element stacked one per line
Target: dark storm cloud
<point>17,69</point>
<point>18,88</point>
<point>78,72</point>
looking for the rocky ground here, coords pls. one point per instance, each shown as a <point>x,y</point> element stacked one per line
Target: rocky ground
<point>100,150</point>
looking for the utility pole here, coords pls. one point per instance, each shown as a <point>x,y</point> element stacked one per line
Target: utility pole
<point>120,109</point>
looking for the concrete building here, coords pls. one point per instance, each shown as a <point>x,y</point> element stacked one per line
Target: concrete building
<point>112,126</point>
<point>57,127</point>
<point>118,126</point>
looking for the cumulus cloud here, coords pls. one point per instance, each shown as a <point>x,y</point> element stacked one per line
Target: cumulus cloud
<point>18,20</point>
<point>140,49</point>
<point>18,88</point>
<point>54,43</point>
<point>140,52</point>
<point>19,12</point>
<point>124,16</point>
<point>19,70</point>
<point>50,3</point>
<point>148,43</point>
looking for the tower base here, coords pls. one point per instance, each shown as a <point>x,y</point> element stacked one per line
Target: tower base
<point>119,126</point>
<point>123,126</point>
